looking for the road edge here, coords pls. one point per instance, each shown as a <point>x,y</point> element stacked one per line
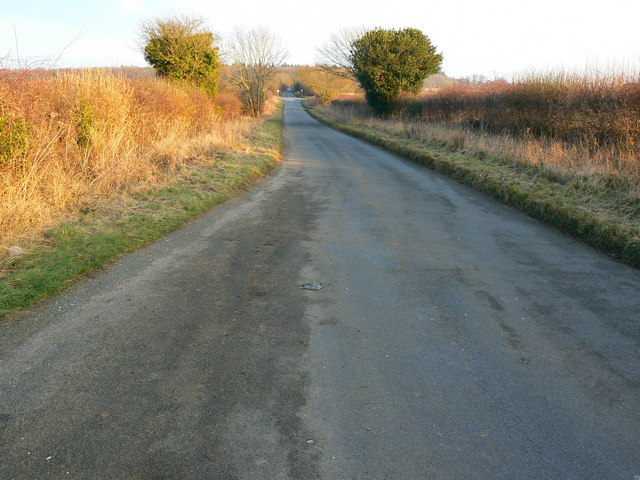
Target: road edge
<point>81,246</point>
<point>545,203</point>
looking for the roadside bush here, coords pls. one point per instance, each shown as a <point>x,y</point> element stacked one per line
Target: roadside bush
<point>14,137</point>
<point>387,63</point>
<point>595,113</point>
<point>182,49</point>
<point>254,56</point>
<point>571,124</point>
<point>325,86</point>
<point>84,124</point>
<point>230,104</point>
<point>67,139</point>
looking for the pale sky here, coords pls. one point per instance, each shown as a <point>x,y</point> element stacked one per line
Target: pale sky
<point>491,37</point>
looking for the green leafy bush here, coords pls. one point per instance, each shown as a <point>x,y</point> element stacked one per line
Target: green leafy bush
<point>84,123</point>
<point>181,48</point>
<point>14,137</point>
<point>387,63</point>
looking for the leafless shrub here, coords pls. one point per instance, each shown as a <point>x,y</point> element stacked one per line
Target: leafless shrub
<point>254,56</point>
<point>336,55</point>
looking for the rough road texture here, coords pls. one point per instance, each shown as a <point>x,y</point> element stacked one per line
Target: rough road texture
<point>453,338</point>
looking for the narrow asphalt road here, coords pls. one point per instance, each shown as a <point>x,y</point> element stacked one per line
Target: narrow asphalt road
<point>454,338</point>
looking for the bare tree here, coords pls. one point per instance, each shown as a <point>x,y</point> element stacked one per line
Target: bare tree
<point>254,56</point>
<point>336,55</point>
<point>323,85</point>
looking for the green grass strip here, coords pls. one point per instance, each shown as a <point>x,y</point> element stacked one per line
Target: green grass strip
<point>76,248</point>
<point>572,207</point>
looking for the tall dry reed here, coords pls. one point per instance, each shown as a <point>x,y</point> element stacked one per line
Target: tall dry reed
<point>595,117</point>
<point>70,138</point>
<point>568,123</point>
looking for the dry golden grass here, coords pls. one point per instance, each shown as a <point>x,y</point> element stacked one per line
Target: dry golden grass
<point>569,123</point>
<point>591,127</point>
<point>550,180</point>
<point>611,177</point>
<point>578,136</point>
<point>69,139</point>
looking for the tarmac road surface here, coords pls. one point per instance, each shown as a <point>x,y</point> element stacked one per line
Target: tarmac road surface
<point>453,338</point>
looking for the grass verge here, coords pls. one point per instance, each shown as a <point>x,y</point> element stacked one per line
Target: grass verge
<point>583,208</point>
<point>99,236</point>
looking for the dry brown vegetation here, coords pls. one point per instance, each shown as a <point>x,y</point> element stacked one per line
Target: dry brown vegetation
<point>565,149</point>
<point>71,138</point>
<point>568,124</point>
<point>322,84</point>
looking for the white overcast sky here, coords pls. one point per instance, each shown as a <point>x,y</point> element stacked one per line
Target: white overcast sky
<point>490,37</point>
